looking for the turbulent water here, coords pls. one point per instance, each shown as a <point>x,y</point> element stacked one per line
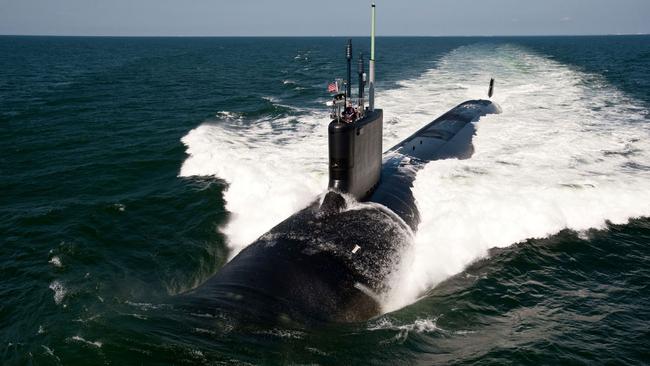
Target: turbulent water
<point>133,169</point>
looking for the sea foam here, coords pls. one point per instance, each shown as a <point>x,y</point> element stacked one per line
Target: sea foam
<point>568,151</point>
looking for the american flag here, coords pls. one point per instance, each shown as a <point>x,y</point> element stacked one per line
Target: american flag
<point>333,87</point>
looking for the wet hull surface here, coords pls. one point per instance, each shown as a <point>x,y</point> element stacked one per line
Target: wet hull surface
<point>330,261</point>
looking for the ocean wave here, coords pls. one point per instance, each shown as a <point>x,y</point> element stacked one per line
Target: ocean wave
<point>96,344</point>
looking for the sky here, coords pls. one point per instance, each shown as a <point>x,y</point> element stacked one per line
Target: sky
<point>323,18</point>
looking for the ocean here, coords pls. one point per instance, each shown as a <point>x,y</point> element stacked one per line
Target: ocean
<point>132,169</point>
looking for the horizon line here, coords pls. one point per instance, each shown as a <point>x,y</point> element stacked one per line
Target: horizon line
<point>327,36</point>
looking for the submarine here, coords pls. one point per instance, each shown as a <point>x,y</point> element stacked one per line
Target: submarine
<point>331,261</point>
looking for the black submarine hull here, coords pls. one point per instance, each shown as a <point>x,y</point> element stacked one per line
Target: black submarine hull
<point>331,261</point>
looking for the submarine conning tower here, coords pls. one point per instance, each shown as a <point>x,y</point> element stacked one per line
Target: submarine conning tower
<point>355,132</point>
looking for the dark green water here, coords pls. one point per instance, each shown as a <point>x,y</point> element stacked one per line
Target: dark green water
<point>99,227</point>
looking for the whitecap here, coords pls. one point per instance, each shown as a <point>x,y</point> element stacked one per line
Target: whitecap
<point>89,343</point>
<point>59,291</point>
<point>55,261</point>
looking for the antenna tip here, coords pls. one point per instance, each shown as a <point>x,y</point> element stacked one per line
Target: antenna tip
<point>491,89</point>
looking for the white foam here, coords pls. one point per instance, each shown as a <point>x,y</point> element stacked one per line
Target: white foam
<point>547,163</point>
<point>59,291</point>
<point>227,115</point>
<point>273,168</point>
<point>539,167</point>
<point>55,261</point>
<point>89,343</point>
<point>283,333</point>
<point>402,331</point>
<point>418,326</point>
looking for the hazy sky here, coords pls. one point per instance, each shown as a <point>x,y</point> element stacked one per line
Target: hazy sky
<point>323,18</point>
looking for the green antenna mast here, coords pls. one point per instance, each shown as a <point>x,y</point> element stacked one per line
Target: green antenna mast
<point>371,83</point>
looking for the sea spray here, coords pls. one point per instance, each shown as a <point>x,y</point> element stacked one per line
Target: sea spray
<point>561,155</point>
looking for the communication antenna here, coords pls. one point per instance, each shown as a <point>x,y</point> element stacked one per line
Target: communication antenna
<point>362,81</point>
<point>491,90</point>
<point>371,64</point>
<point>348,56</point>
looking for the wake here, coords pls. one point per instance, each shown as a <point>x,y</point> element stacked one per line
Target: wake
<point>568,151</point>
